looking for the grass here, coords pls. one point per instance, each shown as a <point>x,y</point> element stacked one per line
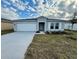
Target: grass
<point>6,31</point>
<point>53,46</point>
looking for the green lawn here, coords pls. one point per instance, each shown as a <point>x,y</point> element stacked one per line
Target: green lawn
<point>53,46</point>
<point>6,31</point>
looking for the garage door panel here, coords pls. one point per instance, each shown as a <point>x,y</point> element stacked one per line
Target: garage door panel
<point>26,27</point>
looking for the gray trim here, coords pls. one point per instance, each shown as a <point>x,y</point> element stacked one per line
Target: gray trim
<point>48,20</point>
<point>24,20</point>
<point>56,20</point>
<point>34,19</point>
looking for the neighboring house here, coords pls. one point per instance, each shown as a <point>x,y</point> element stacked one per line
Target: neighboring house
<point>71,25</point>
<point>6,24</point>
<point>39,24</point>
<point>75,26</point>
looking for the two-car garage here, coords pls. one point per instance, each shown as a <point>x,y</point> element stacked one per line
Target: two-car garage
<point>27,26</point>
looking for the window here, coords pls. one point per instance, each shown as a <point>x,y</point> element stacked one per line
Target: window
<point>57,26</point>
<point>52,26</point>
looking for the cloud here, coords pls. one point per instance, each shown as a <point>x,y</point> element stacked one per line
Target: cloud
<point>32,9</point>
<point>62,9</point>
<point>13,9</point>
<point>34,1</point>
<point>8,14</point>
<point>6,2</point>
<point>13,1</point>
<point>52,8</point>
<point>19,4</point>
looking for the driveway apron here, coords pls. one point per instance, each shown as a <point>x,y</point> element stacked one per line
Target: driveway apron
<point>14,45</point>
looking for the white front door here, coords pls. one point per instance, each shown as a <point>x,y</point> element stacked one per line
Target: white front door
<point>26,27</point>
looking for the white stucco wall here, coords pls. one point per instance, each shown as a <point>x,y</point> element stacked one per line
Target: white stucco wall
<point>42,20</point>
<point>60,26</point>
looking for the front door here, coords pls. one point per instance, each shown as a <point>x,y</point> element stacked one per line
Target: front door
<point>41,26</point>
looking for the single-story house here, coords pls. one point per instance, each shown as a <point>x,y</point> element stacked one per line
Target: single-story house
<point>39,24</point>
<point>71,25</point>
<point>6,24</point>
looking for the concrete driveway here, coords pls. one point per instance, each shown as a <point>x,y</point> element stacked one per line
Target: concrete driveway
<point>14,45</point>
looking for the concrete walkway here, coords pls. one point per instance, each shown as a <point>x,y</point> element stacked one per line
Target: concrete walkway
<point>14,45</point>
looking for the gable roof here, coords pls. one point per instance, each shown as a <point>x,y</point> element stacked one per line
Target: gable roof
<point>41,17</point>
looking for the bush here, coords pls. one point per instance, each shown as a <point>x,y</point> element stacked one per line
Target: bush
<point>37,31</point>
<point>55,32</point>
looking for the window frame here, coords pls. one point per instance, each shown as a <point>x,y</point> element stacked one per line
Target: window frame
<point>52,26</point>
<point>56,25</point>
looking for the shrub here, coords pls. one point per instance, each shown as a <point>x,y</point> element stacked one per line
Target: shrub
<point>37,31</point>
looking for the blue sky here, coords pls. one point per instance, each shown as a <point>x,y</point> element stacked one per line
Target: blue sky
<point>19,9</point>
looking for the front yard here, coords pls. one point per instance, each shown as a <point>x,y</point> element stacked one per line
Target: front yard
<point>53,46</point>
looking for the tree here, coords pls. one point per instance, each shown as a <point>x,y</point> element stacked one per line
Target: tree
<point>74,19</point>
